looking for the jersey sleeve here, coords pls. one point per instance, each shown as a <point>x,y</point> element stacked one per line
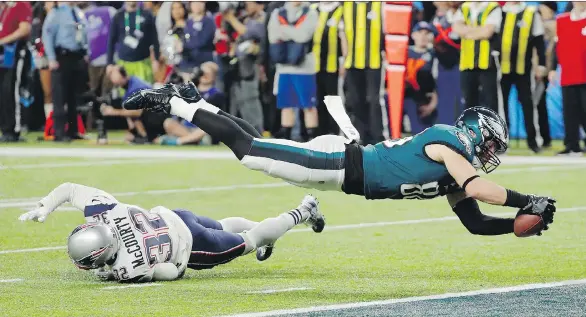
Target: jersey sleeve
<point>455,139</point>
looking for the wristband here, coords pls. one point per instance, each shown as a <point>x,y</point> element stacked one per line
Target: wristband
<point>515,199</point>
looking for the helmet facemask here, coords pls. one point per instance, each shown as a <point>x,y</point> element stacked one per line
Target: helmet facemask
<point>494,144</point>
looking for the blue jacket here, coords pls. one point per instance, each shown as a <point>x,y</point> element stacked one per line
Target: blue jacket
<point>198,43</point>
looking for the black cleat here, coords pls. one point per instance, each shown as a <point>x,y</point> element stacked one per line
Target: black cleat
<point>189,92</point>
<point>265,252</point>
<point>156,100</point>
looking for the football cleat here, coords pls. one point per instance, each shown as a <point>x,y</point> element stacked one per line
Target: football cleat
<point>265,252</point>
<point>156,100</point>
<point>189,92</point>
<point>316,220</point>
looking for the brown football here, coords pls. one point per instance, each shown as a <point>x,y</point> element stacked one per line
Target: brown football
<point>528,225</point>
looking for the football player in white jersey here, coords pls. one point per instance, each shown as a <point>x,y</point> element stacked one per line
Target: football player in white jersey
<point>130,244</point>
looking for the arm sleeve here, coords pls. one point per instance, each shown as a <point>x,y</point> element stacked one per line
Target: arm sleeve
<point>112,38</point>
<point>78,195</point>
<point>495,18</point>
<point>478,223</point>
<point>272,27</point>
<point>303,32</point>
<point>554,56</point>
<point>48,36</point>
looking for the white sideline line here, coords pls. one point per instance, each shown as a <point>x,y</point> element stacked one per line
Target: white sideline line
<point>220,154</point>
<point>339,227</point>
<point>14,280</point>
<point>33,250</point>
<point>499,290</point>
<point>132,286</point>
<point>113,153</point>
<point>79,164</point>
<point>31,201</point>
<point>272,291</point>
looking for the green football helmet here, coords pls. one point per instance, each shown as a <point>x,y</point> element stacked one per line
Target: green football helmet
<point>489,133</point>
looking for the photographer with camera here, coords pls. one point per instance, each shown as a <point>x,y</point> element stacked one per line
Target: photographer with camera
<point>245,52</point>
<point>145,126</point>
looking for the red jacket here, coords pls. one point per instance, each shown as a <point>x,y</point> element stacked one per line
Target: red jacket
<point>571,50</point>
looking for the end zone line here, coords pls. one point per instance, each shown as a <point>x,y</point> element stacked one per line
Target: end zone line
<point>339,227</point>
<point>500,290</point>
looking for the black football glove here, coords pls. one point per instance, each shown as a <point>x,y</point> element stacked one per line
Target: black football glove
<point>540,206</point>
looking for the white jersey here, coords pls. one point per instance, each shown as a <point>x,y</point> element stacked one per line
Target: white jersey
<point>146,237</point>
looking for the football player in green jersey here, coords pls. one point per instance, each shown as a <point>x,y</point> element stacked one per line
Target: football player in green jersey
<point>442,160</point>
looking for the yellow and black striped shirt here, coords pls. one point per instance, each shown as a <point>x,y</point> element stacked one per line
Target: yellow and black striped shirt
<point>516,53</point>
<point>326,42</point>
<point>364,33</point>
<point>476,54</point>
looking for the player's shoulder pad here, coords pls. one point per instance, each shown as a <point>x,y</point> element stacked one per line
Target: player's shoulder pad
<point>455,139</point>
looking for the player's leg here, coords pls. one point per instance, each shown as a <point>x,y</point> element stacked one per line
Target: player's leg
<point>271,229</point>
<point>211,245</point>
<point>316,164</point>
<point>185,110</point>
<point>231,224</point>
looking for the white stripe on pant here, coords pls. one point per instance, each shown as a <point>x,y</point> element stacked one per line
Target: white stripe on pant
<point>298,175</point>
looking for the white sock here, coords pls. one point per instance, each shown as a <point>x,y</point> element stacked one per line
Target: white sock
<point>271,229</point>
<point>182,109</point>
<point>237,224</point>
<point>185,110</point>
<point>48,108</point>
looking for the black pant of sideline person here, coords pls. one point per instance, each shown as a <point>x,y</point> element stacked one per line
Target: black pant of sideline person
<point>362,93</point>
<point>524,94</point>
<point>65,83</point>
<point>472,80</point>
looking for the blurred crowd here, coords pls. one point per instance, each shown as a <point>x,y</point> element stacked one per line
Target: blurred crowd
<point>65,67</point>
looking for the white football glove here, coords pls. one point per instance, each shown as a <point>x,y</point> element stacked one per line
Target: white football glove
<point>39,214</point>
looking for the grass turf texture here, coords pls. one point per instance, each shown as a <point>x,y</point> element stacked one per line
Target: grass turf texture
<point>350,265</point>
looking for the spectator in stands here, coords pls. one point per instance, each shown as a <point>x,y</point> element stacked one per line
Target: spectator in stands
<point>147,126</point>
<point>290,32</point>
<point>40,11</point>
<point>329,46</point>
<point>244,91</point>
<point>522,32</point>
<point>571,53</point>
<point>65,40</point>
<point>478,25</point>
<point>206,84</point>
<point>447,42</point>
<point>364,63</point>
<point>132,33</point>
<point>99,19</point>
<point>198,42</point>
<point>271,114</point>
<point>15,18</point>
<point>420,83</point>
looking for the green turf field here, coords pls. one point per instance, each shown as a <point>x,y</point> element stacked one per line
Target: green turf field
<point>402,249</point>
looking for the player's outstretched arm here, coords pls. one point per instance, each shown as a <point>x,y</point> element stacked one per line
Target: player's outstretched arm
<point>78,195</point>
<point>467,209</point>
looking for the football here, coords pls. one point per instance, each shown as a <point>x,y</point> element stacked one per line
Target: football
<point>528,225</point>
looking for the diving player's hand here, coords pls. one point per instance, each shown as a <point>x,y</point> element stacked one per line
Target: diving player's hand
<point>39,214</point>
<point>540,206</point>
